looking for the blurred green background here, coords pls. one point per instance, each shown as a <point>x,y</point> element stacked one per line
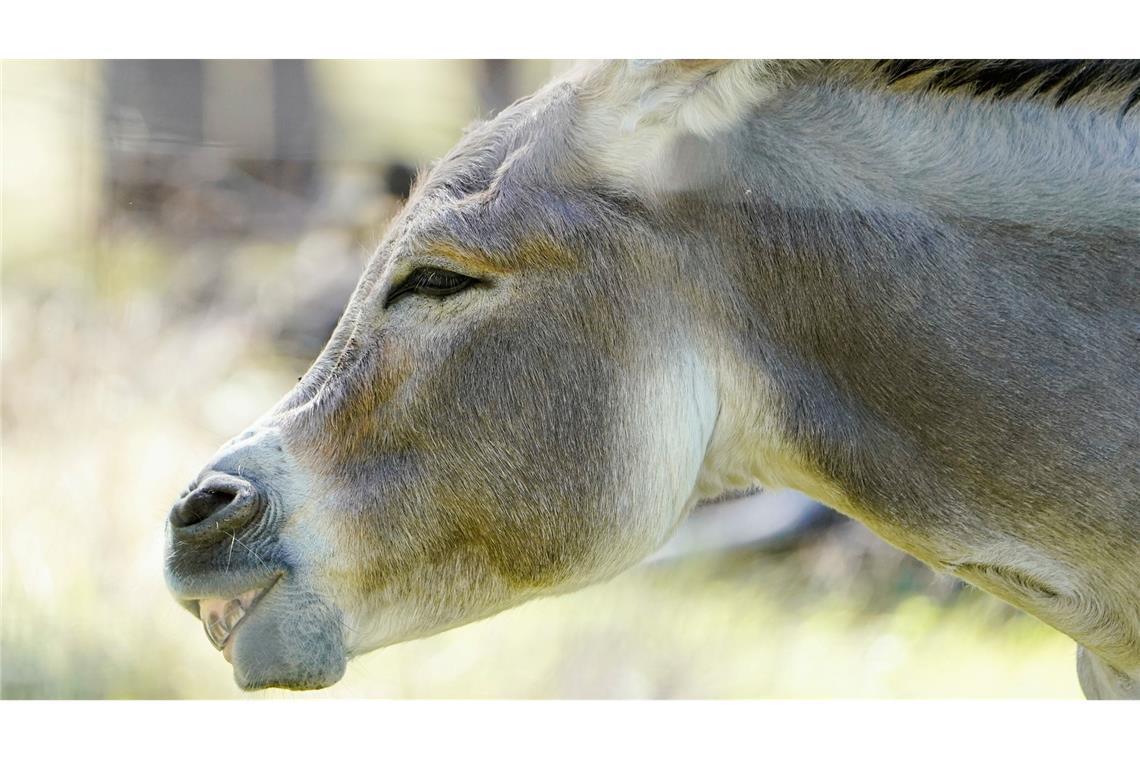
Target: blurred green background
<point>178,240</point>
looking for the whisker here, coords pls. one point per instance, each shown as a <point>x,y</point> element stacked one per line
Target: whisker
<point>241,543</point>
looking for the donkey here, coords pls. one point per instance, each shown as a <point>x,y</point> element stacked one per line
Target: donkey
<point>909,289</point>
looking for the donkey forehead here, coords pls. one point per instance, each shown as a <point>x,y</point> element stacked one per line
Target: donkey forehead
<point>526,142</point>
<point>517,220</point>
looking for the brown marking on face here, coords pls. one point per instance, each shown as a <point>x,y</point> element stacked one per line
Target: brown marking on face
<point>474,262</point>
<point>343,422</point>
<point>538,252</point>
<point>477,438</point>
<point>498,253</point>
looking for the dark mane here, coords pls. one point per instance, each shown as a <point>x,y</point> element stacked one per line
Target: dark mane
<point>1058,81</point>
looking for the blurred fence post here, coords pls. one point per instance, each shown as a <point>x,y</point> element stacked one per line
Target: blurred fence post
<point>296,128</point>
<point>497,85</point>
<point>212,148</point>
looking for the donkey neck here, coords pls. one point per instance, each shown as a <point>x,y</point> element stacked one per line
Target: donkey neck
<point>915,292</point>
<point>827,146</point>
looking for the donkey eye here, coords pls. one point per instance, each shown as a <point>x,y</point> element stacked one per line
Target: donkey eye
<point>429,281</point>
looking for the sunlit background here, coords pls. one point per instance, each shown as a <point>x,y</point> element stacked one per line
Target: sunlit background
<point>178,241</point>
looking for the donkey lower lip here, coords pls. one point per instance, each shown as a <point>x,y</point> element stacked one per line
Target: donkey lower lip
<point>221,617</point>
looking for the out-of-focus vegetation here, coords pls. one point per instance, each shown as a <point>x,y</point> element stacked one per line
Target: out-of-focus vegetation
<point>134,345</point>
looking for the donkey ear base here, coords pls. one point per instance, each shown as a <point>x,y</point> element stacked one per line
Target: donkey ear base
<point>683,63</point>
<point>666,69</point>
<point>699,95</point>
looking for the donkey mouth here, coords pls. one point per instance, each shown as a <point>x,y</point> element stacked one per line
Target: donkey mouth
<point>221,617</point>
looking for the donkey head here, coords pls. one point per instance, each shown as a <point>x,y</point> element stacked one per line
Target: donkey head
<point>510,406</point>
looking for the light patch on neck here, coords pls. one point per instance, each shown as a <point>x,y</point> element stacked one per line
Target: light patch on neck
<point>704,427</point>
<point>634,111</point>
<point>676,413</point>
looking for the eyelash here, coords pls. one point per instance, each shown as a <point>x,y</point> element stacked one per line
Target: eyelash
<point>429,281</point>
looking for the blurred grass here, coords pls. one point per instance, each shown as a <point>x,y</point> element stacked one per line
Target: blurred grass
<point>127,360</point>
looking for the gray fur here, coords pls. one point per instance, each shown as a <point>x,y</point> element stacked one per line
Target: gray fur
<point>921,308</point>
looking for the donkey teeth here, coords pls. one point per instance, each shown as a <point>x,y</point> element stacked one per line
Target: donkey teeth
<point>216,631</point>
<point>233,613</point>
<point>219,618</point>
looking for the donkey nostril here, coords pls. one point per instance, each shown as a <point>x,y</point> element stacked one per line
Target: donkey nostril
<point>220,502</point>
<point>201,504</point>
